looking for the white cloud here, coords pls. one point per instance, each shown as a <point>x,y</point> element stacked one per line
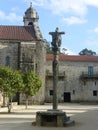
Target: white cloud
<point>2,15</point>
<point>67,51</point>
<point>11,17</point>
<point>74,20</point>
<point>92,31</point>
<point>74,8</point>
<point>91,2</point>
<point>37,2</point>
<point>78,7</point>
<point>96,30</point>
<point>65,6</point>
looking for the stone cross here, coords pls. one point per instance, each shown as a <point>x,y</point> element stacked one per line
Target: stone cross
<point>56,39</point>
<point>56,43</point>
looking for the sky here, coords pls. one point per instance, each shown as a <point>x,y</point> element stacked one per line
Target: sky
<point>77,18</point>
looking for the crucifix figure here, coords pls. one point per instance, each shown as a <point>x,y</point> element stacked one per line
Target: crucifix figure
<point>56,39</point>
<point>56,43</point>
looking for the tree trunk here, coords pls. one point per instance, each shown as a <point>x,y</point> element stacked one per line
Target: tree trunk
<point>26,101</point>
<point>4,104</point>
<point>9,105</point>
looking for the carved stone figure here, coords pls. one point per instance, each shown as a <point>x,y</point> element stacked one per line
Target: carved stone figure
<point>56,39</point>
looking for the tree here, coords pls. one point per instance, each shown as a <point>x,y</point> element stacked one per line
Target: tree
<point>87,52</point>
<point>48,47</point>
<point>32,84</point>
<point>10,83</point>
<point>64,51</point>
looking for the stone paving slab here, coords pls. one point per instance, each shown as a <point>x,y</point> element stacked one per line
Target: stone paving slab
<point>85,116</point>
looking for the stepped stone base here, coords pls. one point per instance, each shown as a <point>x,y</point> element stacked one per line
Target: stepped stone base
<point>55,118</point>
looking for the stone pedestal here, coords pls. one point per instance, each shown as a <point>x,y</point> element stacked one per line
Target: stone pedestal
<point>55,118</point>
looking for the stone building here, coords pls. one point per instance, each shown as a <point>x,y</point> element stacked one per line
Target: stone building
<point>78,78</point>
<point>23,47</point>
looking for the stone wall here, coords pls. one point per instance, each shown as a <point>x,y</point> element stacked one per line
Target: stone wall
<point>34,59</point>
<point>41,62</point>
<point>71,85</point>
<point>9,49</point>
<point>8,57</point>
<point>25,56</point>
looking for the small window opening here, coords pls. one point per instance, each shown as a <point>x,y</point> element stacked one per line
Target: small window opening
<point>94,93</point>
<point>51,92</point>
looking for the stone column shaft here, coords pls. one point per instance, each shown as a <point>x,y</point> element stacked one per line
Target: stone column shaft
<point>55,81</point>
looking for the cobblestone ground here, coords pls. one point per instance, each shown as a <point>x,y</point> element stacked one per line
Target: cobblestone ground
<point>85,116</point>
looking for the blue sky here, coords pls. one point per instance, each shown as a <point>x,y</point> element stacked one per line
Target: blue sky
<point>77,18</point>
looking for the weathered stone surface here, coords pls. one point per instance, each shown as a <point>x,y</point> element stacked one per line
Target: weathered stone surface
<point>56,118</point>
<point>70,82</point>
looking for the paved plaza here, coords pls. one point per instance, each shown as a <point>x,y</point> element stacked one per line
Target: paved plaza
<point>85,116</point>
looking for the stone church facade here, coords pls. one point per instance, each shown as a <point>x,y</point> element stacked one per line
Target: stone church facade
<point>23,47</point>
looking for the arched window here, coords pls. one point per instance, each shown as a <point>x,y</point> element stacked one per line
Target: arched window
<point>30,24</point>
<point>7,61</point>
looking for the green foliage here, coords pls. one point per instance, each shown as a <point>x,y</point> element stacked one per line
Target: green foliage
<point>32,83</point>
<point>87,52</point>
<point>10,81</point>
<point>48,47</point>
